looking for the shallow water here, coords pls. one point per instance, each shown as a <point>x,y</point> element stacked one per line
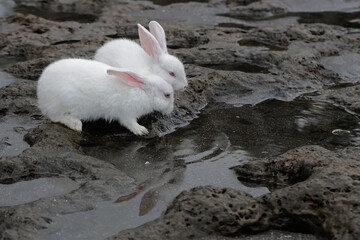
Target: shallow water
<point>13,129</point>
<point>6,7</point>
<point>5,78</point>
<point>7,61</point>
<point>32,190</point>
<point>222,137</point>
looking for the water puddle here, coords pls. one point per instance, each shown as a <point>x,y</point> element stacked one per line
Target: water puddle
<point>56,16</point>
<point>5,78</point>
<point>343,19</point>
<point>346,64</point>
<point>7,61</point>
<point>222,137</point>
<point>13,129</point>
<point>32,190</point>
<point>6,7</point>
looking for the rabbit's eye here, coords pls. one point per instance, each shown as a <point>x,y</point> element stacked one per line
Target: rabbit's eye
<point>167,95</point>
<point>172,74</point>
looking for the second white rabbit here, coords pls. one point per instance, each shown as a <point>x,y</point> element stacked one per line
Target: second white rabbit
<point>151,57</point>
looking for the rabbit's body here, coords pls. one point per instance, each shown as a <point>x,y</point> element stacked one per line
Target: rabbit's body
<point>72,90</point>
<point>149,58</point>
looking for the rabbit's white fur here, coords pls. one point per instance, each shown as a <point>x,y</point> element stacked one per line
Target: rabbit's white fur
<point>151,57</point>
<point>72,90</point>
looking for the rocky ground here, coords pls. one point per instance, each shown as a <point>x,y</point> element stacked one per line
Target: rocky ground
<point>257,55</point>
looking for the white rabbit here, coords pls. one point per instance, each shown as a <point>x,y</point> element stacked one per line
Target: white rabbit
<point>71,90</point>
<point>151,58</point>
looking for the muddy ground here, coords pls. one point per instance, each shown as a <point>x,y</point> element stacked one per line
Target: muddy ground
<point>263,144</point>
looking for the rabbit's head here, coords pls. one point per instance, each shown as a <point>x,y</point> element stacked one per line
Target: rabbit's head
<point>165,65</point>
<point>160,93</point>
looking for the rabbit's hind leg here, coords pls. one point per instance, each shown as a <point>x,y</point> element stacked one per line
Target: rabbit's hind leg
<point>69,121</point>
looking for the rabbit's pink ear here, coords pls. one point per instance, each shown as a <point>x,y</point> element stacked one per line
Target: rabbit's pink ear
<point>158,32</point>
<point>149,43</point>
<point>128,77</point>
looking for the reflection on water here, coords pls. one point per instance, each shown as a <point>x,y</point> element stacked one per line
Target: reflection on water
<point>201,154</point>
<point>332,125</point>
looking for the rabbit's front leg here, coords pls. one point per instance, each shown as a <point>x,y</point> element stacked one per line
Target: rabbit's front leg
<point>134,127</point>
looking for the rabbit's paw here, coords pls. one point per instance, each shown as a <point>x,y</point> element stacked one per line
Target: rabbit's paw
<point>73,123</point>
<point>139,130</point>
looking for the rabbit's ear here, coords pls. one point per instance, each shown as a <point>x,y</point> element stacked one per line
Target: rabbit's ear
<point>158,32</point>
<point>149,43</point>
<point>128,77</point>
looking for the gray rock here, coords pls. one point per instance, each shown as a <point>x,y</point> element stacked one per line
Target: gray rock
<point>19,98</point>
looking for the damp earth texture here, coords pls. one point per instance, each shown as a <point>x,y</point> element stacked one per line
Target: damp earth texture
<point>264,143</point>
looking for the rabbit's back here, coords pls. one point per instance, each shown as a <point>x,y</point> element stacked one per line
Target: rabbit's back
<point>124,53</point>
